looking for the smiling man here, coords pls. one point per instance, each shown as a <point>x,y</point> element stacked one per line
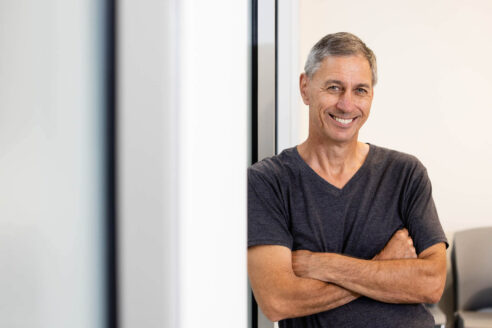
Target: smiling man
<point>343,233</point>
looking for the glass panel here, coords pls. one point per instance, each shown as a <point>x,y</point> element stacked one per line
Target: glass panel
<point>52,187</point>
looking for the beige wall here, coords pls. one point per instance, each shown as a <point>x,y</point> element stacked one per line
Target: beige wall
<point>434,96</point>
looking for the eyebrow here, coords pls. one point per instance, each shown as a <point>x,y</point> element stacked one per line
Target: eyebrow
<point>327,82</point>
<point>332,82</point>
<point>365,85</point>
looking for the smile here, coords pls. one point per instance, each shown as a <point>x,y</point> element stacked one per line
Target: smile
<point>342,120</point>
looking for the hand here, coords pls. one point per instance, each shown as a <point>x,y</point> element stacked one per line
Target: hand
<point>302,263</point>
<point>400,246</point>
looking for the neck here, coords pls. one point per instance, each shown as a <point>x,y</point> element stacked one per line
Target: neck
<point>331,158</point>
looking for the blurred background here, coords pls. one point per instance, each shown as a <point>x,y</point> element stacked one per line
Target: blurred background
<point>126,128</point>
<point>123,155</point>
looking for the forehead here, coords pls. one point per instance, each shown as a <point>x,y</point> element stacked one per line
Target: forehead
<point>349,69</point>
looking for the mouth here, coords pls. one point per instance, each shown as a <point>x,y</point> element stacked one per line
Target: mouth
<point>343,121</point>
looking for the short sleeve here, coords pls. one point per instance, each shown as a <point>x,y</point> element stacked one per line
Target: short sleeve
<point>420,211</point>
<point>267,218</point>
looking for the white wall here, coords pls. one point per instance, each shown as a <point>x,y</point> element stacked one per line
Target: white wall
<point>51,164</point>
<point>433,95</point>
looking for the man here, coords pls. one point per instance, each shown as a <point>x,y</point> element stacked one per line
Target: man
<point>343,233</point>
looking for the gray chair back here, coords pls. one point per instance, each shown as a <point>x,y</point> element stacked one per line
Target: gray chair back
<point>472,268</point>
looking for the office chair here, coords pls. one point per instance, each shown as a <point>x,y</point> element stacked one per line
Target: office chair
<point>472,268</point>
<point>439,316</point>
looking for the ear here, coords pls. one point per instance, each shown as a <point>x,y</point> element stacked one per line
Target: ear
<point>303,87</point>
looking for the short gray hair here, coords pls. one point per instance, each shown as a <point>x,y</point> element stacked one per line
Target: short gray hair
<point>339,44</point>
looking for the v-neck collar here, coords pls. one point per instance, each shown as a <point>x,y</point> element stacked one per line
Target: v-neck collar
<point>333,189</point>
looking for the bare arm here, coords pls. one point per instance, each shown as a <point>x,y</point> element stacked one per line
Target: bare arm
<point>419,280</point>
<point>281,294</point>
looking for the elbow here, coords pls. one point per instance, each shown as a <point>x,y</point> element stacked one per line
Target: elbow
<point>274,309</point>
<point>434,296</point>
<point>433,281</point>
<point>273,316</point>
<point>435,290</point>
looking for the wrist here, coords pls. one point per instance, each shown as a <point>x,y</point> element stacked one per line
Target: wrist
<point>323,270</point>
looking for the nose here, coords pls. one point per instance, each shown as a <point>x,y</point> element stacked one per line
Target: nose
<point>346,102</point>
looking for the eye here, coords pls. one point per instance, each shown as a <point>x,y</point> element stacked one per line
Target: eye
<point>361,91</point>
<point>333,88</point>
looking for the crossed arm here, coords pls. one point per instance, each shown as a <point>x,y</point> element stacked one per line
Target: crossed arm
<point>291,284</point>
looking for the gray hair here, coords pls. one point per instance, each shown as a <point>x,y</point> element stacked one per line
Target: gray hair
<point>339,44</point>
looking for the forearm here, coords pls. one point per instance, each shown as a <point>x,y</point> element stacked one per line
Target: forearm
<point>281,294</point>
<point>391,281</point>
<point>299,297</point>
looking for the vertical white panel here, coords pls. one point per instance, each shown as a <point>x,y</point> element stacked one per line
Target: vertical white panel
<point>212,163</point>
<point>147,85</point>
<point>288,96</point>
<point>183,156</point>
<point>266,79</point>
<point>51,164</point>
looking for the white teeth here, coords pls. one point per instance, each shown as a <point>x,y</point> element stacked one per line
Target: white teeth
<point>341,120</point>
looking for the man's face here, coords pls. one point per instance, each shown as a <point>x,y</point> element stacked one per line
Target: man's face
<point>339,95</point>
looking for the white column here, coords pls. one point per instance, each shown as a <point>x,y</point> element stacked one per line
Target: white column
<point>183,156</point>
<point>288,96</point>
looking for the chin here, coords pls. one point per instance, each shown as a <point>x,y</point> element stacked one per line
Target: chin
<point>341,138</point>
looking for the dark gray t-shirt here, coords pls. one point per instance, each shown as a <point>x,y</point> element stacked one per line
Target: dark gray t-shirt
<point>291,205</point>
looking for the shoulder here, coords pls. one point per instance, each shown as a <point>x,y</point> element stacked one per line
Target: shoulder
<point>271,178</point>
<point>400,170</point>
<point>277,167</point>
<point>393,159</point>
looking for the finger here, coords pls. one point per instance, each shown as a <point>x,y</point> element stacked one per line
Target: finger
<point>414,252</point>
<point>401,233</point>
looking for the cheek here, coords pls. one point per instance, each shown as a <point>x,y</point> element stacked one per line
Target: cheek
<point>326,101</point>
<point>364,105</point>
<point>368,102</point>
